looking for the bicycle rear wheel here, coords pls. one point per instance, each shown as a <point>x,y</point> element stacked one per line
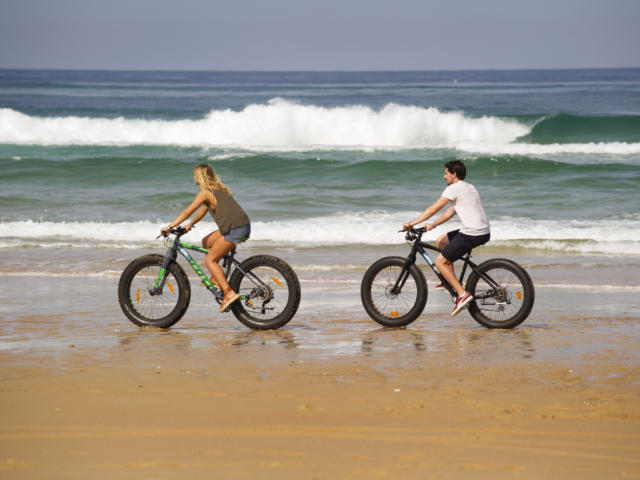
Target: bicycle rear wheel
<point>389,308</point>
<point>153,310</point>
<point>507,303</point>
<point>270,292</point>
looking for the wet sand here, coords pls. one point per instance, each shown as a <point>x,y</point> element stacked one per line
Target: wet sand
<point>85,394</point>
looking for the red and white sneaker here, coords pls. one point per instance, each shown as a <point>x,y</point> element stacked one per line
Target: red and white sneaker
<point>461,303</point>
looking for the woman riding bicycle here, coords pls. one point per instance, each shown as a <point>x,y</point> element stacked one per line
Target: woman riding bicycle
<point>233,225</point>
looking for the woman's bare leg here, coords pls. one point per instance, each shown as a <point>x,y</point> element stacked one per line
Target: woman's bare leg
<point>218,248</point>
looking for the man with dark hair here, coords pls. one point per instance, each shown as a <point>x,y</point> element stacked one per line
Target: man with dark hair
<point>474,231</point>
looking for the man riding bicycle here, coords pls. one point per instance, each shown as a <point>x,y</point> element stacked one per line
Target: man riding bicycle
<point>474,230</point>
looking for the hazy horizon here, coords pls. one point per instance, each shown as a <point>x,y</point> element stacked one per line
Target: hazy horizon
<point>347,35</point>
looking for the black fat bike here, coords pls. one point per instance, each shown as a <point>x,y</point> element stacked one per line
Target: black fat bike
<point>394,290</point>
<point>154,290</point>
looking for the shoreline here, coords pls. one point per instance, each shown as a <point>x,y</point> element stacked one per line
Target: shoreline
<point>84,393</point>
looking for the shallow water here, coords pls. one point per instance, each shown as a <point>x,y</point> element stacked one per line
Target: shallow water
<point>43,317</point>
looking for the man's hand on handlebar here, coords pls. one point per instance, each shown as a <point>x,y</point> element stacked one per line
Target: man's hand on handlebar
<point>407,227</point>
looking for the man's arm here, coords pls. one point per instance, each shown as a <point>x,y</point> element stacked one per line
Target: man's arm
<point>429,212</point>
<point>449,212</point>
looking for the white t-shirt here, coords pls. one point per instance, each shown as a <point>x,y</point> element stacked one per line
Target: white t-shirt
<point>466,202</point>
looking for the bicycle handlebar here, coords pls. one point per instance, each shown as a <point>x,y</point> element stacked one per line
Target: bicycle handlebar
<point>177,231</point>
<point>413,233</point>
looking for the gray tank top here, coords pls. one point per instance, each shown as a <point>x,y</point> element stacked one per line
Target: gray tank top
<point>228,214</point>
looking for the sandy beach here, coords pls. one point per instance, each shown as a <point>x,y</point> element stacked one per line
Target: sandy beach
<point>85,394</point>
<point>328,157</point>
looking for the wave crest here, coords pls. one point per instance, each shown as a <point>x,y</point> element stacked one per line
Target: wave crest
<point>279,124</point>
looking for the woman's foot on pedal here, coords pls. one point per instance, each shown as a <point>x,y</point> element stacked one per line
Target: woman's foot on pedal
<point>229,298</point>
<point>461,302</point>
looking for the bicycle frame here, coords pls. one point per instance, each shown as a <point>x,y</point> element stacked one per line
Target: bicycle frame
<point>178,246</point>
<point>420,247</point>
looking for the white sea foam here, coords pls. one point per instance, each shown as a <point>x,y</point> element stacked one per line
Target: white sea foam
<point>592,148</point>
<point>340,229</point>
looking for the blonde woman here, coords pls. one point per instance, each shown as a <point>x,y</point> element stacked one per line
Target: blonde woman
<point>233,225</point>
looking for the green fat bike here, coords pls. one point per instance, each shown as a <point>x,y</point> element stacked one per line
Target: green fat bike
<point>154,290</point>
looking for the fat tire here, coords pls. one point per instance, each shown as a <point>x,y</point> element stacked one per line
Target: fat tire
<point>293,289</point>
<point>482,316</point>
<point>127,304</point>
<point>369,303</point>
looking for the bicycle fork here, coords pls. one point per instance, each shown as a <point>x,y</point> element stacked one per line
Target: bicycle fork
<point>171,256</point>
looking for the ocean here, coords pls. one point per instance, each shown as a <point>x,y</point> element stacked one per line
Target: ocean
<point>328,165</point>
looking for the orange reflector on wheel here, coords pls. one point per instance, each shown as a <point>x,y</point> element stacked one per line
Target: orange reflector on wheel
<point>276,281</point>
<point>249,303</point>
<point>519,295</point>
<point>170,287</point>
<point>138,296</point>
<point>394,314</point>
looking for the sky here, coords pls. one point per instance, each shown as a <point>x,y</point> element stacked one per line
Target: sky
<point>319,35</point>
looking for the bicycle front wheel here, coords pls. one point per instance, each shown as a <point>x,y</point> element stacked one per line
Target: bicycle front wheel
<point>503,294</point>
<point>383,303</point>
<point>147,309</point>
<point>270,292</point>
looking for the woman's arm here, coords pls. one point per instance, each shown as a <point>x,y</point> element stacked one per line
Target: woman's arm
<point>198,216</point>
<point>199,199</point>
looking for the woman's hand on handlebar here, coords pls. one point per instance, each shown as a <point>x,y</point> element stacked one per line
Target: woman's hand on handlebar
<point>179,230</point>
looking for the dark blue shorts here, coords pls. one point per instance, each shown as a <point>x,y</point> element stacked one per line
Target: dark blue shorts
<point>460,244</point>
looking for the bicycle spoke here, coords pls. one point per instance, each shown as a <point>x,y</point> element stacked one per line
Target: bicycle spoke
<point>267,298</point>
<point>152,306</point>
<point>392,304</point>
<point>505,301</point>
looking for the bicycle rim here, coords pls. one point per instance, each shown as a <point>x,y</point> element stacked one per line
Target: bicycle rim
<point>384,301</point>
<point>504,303</point>
<point>265,300</point>
<point>153,307</point>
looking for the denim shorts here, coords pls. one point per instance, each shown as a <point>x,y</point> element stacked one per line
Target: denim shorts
<point>459,244</point>
<point>238,235</point>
